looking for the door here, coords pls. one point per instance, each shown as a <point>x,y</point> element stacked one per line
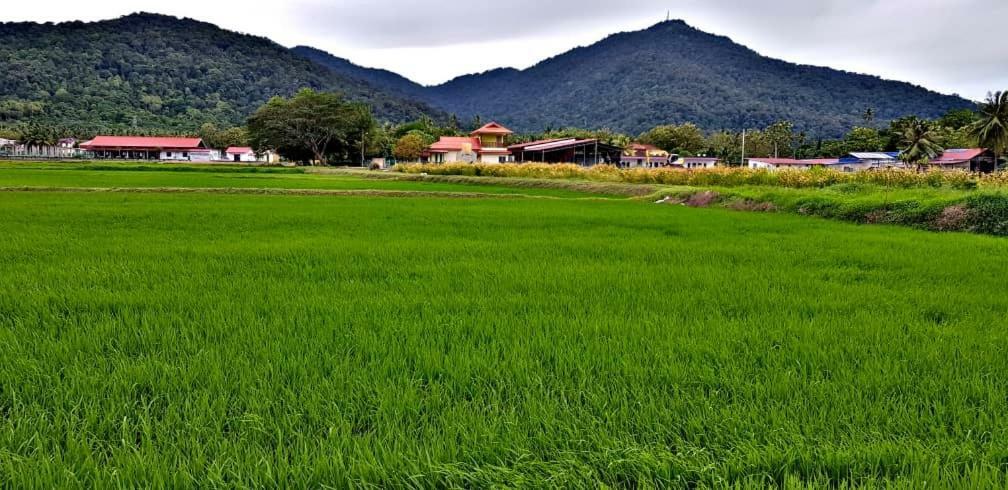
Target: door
<point>237,158</point>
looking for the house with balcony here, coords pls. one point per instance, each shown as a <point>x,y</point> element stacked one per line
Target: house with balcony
<point>488,144</point>
<point>640,155</point>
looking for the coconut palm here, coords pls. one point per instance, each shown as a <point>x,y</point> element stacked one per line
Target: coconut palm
<point>992,129</point>
<point>920,142</point>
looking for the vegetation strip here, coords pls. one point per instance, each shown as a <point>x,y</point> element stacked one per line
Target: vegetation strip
<point>725,177</point>
<point>977,212</point>
<point>629,190</point>
<point>271,191</point>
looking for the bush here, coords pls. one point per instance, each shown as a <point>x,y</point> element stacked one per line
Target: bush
<point>989,213</point>
<point>954,218</point>
<point>703,199</point>
<point>818,206</point>
<point>720,177</point>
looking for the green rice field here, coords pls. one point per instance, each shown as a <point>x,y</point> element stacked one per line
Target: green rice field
<point>548,340</point>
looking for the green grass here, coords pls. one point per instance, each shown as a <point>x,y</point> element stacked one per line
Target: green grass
<point>203,176</point>
<point>216,340</point>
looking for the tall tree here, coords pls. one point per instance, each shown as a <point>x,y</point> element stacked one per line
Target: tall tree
<point>312,127</point>
<point>958,118</point>
<point>409,147</point>
<point>991,130</point>
<point>781,135</point>
<point>864,139</point>
<point>920,143</point>
<point>35,135</point>
<point>213,137</point>
<point>682,139</point>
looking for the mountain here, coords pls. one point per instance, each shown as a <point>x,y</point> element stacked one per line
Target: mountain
<point>387,80</point>
<point>672,73</point>
<point>675,73</point>
<point>161,72</point>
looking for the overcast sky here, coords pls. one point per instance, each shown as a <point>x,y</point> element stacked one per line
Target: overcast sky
<point>953,46</point>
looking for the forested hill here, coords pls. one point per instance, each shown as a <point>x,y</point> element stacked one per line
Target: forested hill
<point>387,80</point>
<point>154,71</point>
<point>157,72</point>
<point>673,73</point>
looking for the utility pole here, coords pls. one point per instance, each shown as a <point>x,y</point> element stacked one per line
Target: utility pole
<point>362,139</point>
<point>743,148</point>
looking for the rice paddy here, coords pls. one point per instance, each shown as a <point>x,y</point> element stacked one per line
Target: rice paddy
<point>229,340</point>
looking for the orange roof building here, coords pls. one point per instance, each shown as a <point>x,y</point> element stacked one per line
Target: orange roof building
<point>485,145</point>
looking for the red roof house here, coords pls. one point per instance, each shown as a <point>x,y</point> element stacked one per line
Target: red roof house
<point>139,143</point>
<point>149,148</point>
<point>240,154</point>
<point>968,159</point>
<point>487,145</point>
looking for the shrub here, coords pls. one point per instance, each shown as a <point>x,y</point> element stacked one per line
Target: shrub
<point>703,199</point>
<point>719,177</point>
<point>752,205</point>
<point>989,213</point>
<point>817,206</point>
<point>849,187</point>
<point>863,212</point>
<point>954,218</point>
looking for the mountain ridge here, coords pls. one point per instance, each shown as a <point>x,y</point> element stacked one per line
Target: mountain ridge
<point>156,70</point>
<point>721,98</point>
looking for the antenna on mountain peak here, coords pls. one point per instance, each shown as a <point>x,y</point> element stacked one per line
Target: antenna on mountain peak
<point>668,15</point>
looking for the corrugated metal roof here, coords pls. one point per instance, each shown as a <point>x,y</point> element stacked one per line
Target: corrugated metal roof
<point>958,155</point>
<point>522,146</point>
<point>142,142</point>
<point>872,156</point>
<point>559,144</point>
<point>791,161</point>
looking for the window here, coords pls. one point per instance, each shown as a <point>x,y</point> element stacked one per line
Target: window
<point>185,154</point>
<point>168,154</point>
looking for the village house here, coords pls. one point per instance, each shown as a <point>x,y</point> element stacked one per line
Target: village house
<point>640,155</point>
<point>874,159</point>
<point>691,163</point>
<point>151,148</point>
<point>774,164</point>
<point>968,160</point>
<point>240,154</point>
<point>485,145</point>
<point>7,146</point>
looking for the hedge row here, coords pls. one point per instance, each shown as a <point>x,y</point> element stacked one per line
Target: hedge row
<point>720,177</point>
<point>985,213</point>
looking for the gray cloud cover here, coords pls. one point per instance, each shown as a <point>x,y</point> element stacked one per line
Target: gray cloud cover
<point>956,46</point>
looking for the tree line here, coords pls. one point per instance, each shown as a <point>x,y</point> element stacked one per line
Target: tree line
<point>325,128</point>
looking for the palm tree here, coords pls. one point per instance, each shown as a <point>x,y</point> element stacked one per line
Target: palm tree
<point>992,129</point>
<point>920,143</point>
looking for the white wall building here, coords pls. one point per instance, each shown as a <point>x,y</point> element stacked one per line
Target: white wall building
<point>240,154</point>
